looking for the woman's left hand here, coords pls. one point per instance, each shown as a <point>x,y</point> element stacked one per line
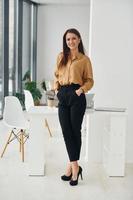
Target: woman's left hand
<point>79,91</point>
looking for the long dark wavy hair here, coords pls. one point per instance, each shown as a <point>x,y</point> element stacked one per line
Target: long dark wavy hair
<point>66,49</point>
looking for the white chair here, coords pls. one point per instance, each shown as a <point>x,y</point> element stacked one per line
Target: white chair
<point>29,102</point>
<point>13,117</point>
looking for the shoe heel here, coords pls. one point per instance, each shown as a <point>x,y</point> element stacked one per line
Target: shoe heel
<point>81,176</point>
<point>75,182</point>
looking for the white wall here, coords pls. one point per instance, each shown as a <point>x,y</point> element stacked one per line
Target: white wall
<point>53,20</point>
<point>111,54</point>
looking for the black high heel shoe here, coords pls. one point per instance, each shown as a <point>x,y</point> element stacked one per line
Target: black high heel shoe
<point>75,182</point>
<point>66,178</point>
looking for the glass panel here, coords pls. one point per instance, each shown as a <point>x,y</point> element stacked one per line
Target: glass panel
<point>0,57</point>
<point>26,38</point>
<point>11,48</point>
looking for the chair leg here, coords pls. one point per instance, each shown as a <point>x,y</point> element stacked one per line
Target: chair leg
<point>19,138</point>
<point>6,144</point>
<point>46,124</point>
<point>22,145</point>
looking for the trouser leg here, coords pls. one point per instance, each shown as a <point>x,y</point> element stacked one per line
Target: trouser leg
<point>76,117</point>
<point>69,138</point>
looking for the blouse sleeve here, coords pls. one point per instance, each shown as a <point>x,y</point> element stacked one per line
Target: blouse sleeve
<point>88,81</point>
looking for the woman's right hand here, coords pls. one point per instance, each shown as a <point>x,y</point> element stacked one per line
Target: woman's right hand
<point>79,91</point>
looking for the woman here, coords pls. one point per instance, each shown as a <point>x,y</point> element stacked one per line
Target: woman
<point>73,78</point>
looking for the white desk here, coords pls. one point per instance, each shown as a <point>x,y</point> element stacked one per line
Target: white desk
<point>105,139</point>
<point>39,138</point>
<point>96,123</point>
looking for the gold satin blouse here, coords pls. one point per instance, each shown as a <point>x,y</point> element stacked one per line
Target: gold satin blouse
<point>77,71</point>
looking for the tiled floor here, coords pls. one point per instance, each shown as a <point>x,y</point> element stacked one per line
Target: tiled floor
<point>15,184</point>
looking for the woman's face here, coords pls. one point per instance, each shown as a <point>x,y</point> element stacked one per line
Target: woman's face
<point>72,41</point>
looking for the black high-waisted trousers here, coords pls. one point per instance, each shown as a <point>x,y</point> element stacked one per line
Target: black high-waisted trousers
<point>71,111</point>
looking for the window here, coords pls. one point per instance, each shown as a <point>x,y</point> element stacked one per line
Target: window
<point>11,81</point>
<point>17,45</point>
<point>26,37</point>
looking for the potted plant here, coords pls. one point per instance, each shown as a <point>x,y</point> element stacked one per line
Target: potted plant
<point>27,77</point>
<point>49,93</point>
<point>32,87</point>
<point>50,102</point>
<point>43,85</point>
<point>50,97</point>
